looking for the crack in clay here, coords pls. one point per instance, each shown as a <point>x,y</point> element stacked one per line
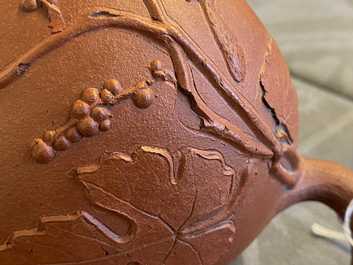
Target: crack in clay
<point>288,156</point>
<point>155,10</point>
<point>281,131</point>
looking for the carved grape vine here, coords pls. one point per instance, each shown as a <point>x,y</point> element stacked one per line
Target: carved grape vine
<point>182,50</point>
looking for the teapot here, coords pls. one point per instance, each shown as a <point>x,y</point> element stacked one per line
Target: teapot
<point>146,132</point>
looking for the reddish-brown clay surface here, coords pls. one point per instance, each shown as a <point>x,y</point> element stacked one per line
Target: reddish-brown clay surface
<point>145,132</point>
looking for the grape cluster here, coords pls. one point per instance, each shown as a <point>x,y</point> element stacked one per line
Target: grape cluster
<point>89,115</point>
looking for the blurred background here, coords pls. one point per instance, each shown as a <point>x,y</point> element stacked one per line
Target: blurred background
<point>316,38</point>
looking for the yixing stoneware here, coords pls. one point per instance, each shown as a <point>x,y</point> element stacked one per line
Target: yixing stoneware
<point>146,132</point>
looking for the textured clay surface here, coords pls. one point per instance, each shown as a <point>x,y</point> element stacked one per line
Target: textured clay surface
<point>133,132</point>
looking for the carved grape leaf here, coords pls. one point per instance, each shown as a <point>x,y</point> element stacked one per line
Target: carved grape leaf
<point>183,183</point>
<point>146,208</point>
<point>187,194</point>
<point>148,173</point>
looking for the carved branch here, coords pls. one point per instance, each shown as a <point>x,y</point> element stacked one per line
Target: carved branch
<point>169,32</point>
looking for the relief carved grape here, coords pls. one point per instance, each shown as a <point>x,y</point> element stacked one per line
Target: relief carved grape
<point>90,115</point>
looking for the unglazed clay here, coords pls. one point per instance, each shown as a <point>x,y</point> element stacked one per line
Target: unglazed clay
<point>146,132</point>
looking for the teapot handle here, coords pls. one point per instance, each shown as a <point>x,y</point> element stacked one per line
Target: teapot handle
<point>323,181</point>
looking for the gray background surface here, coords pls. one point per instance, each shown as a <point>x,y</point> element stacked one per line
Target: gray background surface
<point>316,37</point>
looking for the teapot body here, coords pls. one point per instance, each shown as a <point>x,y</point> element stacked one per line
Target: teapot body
<point>140,132</point>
